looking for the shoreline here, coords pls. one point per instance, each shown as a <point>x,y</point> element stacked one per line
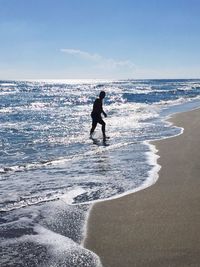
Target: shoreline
<point>136,229</point>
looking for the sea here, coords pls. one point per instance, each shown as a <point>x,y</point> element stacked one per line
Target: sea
<point>52,172</point>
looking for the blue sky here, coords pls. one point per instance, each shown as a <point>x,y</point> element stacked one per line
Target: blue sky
<point>102,39</point>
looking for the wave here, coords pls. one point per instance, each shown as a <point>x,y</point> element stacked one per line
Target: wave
<point>66,195</point>
<point>7,84</point>
<point>60,161</point>
<point>6,110</point>
<point>178,101</point>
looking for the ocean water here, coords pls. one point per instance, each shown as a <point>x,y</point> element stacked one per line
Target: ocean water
<point>51,172</point>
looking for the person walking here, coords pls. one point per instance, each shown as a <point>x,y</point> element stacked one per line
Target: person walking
<point>96,115</point>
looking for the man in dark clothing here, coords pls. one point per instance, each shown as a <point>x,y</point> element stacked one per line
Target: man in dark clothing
<point>96,114</point>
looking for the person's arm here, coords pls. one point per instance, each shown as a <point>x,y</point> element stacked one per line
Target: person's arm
<point>105,115</point>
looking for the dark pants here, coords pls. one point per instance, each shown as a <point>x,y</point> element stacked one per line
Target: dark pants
<point>96,118</point>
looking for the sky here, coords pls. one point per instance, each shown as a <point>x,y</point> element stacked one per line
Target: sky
<point>99,39</point>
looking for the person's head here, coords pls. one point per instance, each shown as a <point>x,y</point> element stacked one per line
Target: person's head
<point>102,94</point>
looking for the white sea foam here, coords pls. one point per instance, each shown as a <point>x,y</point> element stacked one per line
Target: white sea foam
<point>7,84</point>
<point>38,105</point>
<point>69,196</point>
<point>7,92</point>
<point>152,158</point>
<point>6,110</point>
<point>62,250</point>
<point>178,101</point>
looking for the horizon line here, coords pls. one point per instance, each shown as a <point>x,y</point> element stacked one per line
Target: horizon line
<point>93,79</point>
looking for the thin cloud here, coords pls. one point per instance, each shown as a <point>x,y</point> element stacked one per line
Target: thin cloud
<point>81,54</point>
<point>100,61</point>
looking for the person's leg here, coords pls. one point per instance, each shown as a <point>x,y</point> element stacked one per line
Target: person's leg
<point>94,124</point>
<point>103,128</point>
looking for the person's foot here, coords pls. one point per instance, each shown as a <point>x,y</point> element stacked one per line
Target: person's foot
<point>104,138</point>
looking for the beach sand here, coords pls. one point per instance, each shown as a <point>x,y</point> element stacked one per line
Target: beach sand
<point>158,226</point>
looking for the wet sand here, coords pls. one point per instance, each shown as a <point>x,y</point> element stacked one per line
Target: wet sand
<point>158,226</point>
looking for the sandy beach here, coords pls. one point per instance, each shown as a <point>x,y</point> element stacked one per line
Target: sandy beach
<point>158,226</point>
